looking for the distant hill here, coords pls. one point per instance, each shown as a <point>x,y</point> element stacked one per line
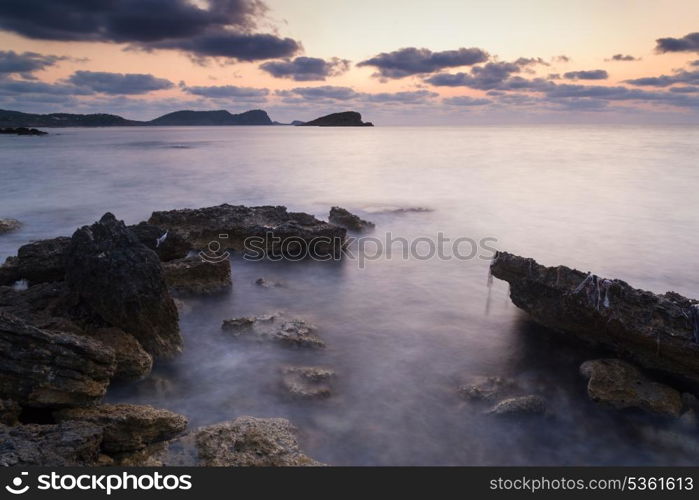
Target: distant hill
<point>220,117</point>
<point>18,119</point>
<point>344,119</point>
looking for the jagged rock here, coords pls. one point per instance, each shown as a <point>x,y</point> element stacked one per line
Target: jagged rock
<point>132,360</point>
<point>621,385</point>
<point>292,332</point>
<point>119,281</point>
<point>341,217</point>
<point>127,427</point>
<point>307,382</point>
<point>65,444</point>
<point>519,406</point>
<point>36,262</point>
<point>264,230</point>
<point>51,369</point>
<point>657,331</point>
<point>487,388</point>
<point>9,412</point>
<point>168,246</point>
<point>197,276</point>
<point>243,442</point>
<point>7,225</point>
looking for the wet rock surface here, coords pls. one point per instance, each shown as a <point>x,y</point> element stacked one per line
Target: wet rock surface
<point>307,382</point>
<point>292,332</point>
<point>64,444</point>
<point>519,406</point>
<point>196,276</point>
<point>168,246</point>
<point>622,386</point>
<point>127,427</point>
<point>277,231</point>
<point>348,220</point>
<point>7,225</point>
<point>656,331</point>
<point>46,369</point>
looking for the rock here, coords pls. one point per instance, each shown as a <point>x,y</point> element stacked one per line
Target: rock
<point>168,246</point>
<point>657,331</point>
<point>519,406</point>
<point>132,360</point>
<point>127,427</point>
<point>243,442</point>
<point>621,386</point>
<point>292,332</point>
<point>307,382</point>
<point>487,388</point>
<point>197,276</point>
<point>9,412</point>
<point>258,231</point>
<point>343,119</point>
<point>44,369</point>
<point>65,444</point>
<point>119,282</point>
<point>341,217</point>
<point>37,262</point>
<point>7,225</point>
<point>265,283</point>
<point>22,131</point>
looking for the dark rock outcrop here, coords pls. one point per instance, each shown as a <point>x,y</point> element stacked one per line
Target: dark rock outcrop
<point>343,119</point>
<point>259,230</point>
<point>292,332</point>
<point>7,225</point>
<point>341,217</point>
<point>9,412</point>
<point>44,369</point>
<point>620,385</point>
<point>167,246</point>
<point>307,382</point>
<point>656,331</point>
<point>126,427</point>
<point>219,117</point>
<point>37,262</point>
<point>119,282</point>
<point>65,444</point>
<point>197,276</point>
<point>519,406</point>
<point>21,131</point>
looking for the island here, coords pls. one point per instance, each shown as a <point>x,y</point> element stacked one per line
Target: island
<point>344,119</point>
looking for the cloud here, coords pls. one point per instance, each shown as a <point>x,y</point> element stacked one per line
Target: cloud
<point>561,59</point>
<point>225,28</point>
<point>321,93</point>
<point>26,62</point>
<point>594,74</point>
<point>413,61</point>
<point>528,61</point>
<point>304,69</point>
<point>680,76</point>
<point>118,83</point>
<point>406,97</point>
<point>329,93</point>
<point>493,75</point>
<point>21,87</point>
<point>622,57</point>
<point>466,101</point>
<point>249,94</point>
<point>688,43</point>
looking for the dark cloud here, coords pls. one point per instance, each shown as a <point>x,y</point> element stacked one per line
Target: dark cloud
<point>26,62</point>
<point>528,61</point>
<point>227,91</point>
<point>21,87</point>
<point>688,89</point>
<point>321,93</point>
<point>406,97</point>
<point>118,83</point>
<point>561,59</point>
<point>688,43</point>
<point>622,57</point>
<point>593,74</point>
<point>304,69</point>
<point>413,61</point>
<point>493,75</point>
<point>329,93</point>
<point>680,76</point>
<point>466,101</point>
<point>225,28</point>
<point>694,63</point>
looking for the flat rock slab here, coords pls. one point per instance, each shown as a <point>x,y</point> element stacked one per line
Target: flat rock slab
<point>307,382</point>
<point>621,385</point>
<point>292,332</point>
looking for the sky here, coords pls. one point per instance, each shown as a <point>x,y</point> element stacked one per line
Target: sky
<point>403,62</point>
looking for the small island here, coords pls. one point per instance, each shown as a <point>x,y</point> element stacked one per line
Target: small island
<point>21,131</point>
<point>344,119</point>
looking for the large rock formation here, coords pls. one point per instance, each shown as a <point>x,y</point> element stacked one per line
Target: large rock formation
<point>343,119</point>
<point>657,331</point>
<point>119,282</point>
<point>344,218</point>
<point>36,262</point>
<point>167,246</point>
<point>256,230</point>
<point>51,369</point>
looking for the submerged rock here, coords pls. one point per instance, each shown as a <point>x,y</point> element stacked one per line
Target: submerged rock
<point>118,281</point>
<point>307,382</point>
<point>37,262</point>
<point>292,332</point>
<point>168,246</point>
<point>127,427</point>
<point>519,406</point>
<point>621,386</point>
<point>487,388</point>
<point>346,219</point>
<point>657,331</point>
<point>44,369</point>
<point>197,276</point>
<point>7,225</point>
<point>265,283</point>
<point>243,442</point>
<point>264,230</point>
<point>65,444</point>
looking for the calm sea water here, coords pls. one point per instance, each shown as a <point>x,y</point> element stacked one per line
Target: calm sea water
<point>401,334</point>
